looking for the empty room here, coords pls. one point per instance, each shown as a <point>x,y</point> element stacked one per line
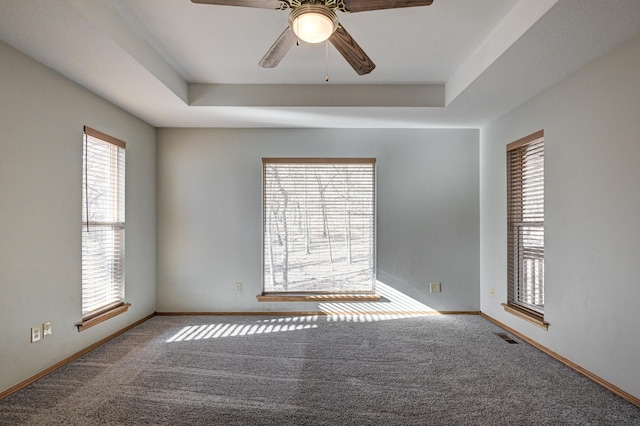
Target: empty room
<point>321,212</point>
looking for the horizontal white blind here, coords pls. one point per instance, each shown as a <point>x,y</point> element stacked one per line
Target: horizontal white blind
<point>319,225</point>
<point>525,210</point>
<point>103,183</point>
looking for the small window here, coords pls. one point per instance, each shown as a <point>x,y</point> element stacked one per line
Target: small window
<point>525,222</point>
<point>103,224</point>
<point>318,225</point>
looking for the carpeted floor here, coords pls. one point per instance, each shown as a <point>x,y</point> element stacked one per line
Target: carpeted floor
<point>359,370</point>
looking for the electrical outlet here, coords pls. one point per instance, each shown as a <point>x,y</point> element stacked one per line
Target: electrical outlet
<point>238,287</point>
<point>492,293</point>
<point>46,329</point>
<point>35,334</point>
<point>435,287</point>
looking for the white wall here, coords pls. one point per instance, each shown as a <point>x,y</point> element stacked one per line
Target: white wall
<point>209,212</point>
<point>592,215</point>
<point>41,119</point>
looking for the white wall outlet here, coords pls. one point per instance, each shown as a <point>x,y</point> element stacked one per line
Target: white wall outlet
<point>238,287</point>
<point>35,334</point>
<point>46,329</point>
<point>492,292</point>
<point>435,287</point>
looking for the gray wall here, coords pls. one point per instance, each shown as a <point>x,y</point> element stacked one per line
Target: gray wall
<point>441,213</point>
<point>209,212</point>
<point>592,215</point>
<point>41,120</point>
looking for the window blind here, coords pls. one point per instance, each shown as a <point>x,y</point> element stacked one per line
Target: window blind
<point>318,225</point>
<point>103,222</point>
<point>525,222</point>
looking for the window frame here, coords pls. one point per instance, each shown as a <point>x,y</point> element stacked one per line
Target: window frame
<point>115,286</point>
<point>297,294</point>
<point>525,262</point>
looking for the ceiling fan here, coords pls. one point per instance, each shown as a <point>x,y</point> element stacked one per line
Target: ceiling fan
<point>315,21</point>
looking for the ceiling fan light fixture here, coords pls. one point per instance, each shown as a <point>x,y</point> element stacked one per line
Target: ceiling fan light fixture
<point>313,23</point>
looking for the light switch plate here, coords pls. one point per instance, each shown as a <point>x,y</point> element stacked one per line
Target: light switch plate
<point>46,329</point>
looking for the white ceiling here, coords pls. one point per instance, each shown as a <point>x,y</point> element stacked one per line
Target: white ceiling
<point>456,63</point>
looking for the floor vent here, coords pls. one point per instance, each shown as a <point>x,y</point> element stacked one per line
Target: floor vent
<point>506,338</point>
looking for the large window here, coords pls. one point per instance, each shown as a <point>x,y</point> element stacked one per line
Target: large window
<point>525,221</point>
<point>318,225</point>
<point>102,223</point>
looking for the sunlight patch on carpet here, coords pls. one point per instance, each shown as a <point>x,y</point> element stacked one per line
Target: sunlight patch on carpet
<point>266,326</point>
<point>393,305</point>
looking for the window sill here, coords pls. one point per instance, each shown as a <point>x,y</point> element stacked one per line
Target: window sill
<point>283,297</point>
<point>527,316</point>
<point>117,310</point>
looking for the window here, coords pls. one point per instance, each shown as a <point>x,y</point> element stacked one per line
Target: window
<point>318,225</point>
<point>525,222</point>
<point>103,189</point>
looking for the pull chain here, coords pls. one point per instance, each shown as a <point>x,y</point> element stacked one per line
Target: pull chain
<point>326,60</point>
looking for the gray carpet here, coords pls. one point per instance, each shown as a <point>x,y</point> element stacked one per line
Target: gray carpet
<point>431,370</point>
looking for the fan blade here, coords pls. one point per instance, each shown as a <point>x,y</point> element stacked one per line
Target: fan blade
<point>262,4</point>
<point>351,51</point>
<point>364,5</point>
<point>280,48</point>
